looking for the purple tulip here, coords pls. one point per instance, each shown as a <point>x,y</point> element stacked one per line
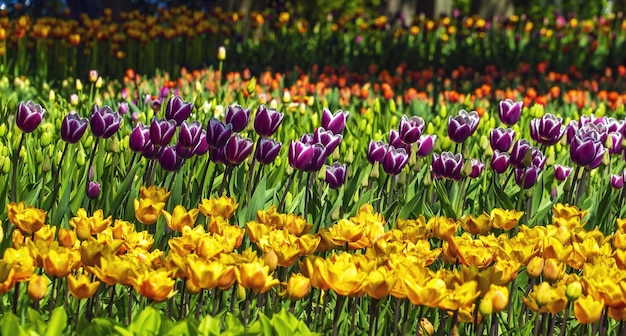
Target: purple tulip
<point>447,165</point>
<point>190,133</point>
<point>217,133</point>
<point>93,190</point>
<point>266,121</point>
<point>617,181</point>
<point>529,178</point>
<point>202,147</point>
<point>237,149</point>
<point>184,153</point>
<point>395,160</point>
<point>139,138</point>
<point>237,116</point>
<point>614,143</point>
<point>410,129</point>
<point>73,127</point>
<point>463,125</point>
<point>519,152</point>
<point>162,131</point>
<point>500,161</point>
<point>169,159</point>
<point>501,138</point>
<point>538,159</point>
<point>561,173</point>
<point>328,139</point>
<point>376,151</point>
<point>425,145</point>
<point>217,156</point>
<point>29,116</point>
<point>177,109</point>
<point>104,122</point>
<point>586,150</point>
<point>510,112</point>
<point>477,168</point>
<point>267,150</point>
<point>334,122</point>
<point>395,141</point>
<point>336,175</point>
<point>151,151</point>
<point>318,159</point>
<point>164,92</point>
<point>307,138</point>
<point>547,130</point>
<point>123,108</point>
<point>570,130</point>
<point>300,154</point>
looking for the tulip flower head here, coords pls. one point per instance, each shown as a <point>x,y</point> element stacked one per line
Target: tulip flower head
<point>547,130</point>
<point>73,127</point>
<point>501,138</point>
<point>177,109</point>
<point>300,154</point>
<point>267,120</point>
<point>509,111</point>
<point>561,173</point>
<point>410,129</point>
<point>162,131</point>
<point>336,175</point>
<point>29,116</point>
<point>217,133</point>
<point>104,122</point>
<point>463,125</point>
<point>447,165</point>
<point>586,149</point>
<point>395,160</point>
<point>328,139</point>
<point>169,159</point>
<point>376,151</point>
<point>123,108</point>
<point>425,145</point>
<point>237,149</point>
<point>267,150</point>
<point>334,122</point>
<point>237,116</point>
<point>190,134</point>
<point>93,189</point>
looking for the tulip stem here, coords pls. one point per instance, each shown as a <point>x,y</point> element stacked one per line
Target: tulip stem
<point>225,179</point>
<point>338,309</point>
<point>564,322</point>
<point>199,305</point>
<point>284,197</point>
<point>13,196</point>
<point>249,184</point>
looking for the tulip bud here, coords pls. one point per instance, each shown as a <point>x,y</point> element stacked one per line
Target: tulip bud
<point>93,190</point>
<point>535,266</point>
<point>45,139</point>
<point>6,166</point>
<point>3,130</point>
<point>46,166</point>
<point>573,291</point>
<point>221,53</point>
<point>38,287</point>
<point>51,96</point>
<point>79,85</point>
<point>426,327</point>
<point>80,158</point>
<point>271,259</point>
<point>99,83</point>
<point>241,293</point>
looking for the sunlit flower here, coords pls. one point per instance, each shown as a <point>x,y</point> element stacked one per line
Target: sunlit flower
<point>27,219</point>
<point>222,206</point>
<point>81,286</point>
<point>587,309</point>
<point>147,211</point>
<point>154,285</point>
<point>180,218</point>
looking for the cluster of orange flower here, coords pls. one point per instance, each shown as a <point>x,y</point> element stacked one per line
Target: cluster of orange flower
<point>455,265</point>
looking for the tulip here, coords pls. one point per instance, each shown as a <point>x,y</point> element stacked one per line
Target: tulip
<point>217,133</point>
<point>410,129</point>
<point>29,116</point>
<point>317,160</point>
<point>237,116</point>
<point>267,150</point>
<point>223,207</point>
<point>104,122</point>
<point>527,175</point>
<point>177,109</point>
<point>255,276</point>
<point>151,152</point>
<point>162,131</point>
<point>328,139</point>
<point>617,181</point>
<point>477,168</point>
<point>587,309</point>
<point>394,160</point>
<point>169,159</point>
<point>221,53</point>
<point>237,149</point>
<point>93,190</point>
<point>547,130</point>
<point>210,274</point>
<point>190,134</point>
<point>447,165</point>
<point>336,175</point>
<point>501,138</point>
<point>425,145</point>
<point>123,108</point>
<point>58,263</point>
<point>519,153</point>
<point>202,147</point>
<point>376,151</point>
<point>300,154</point>
<point>73,127</point>
<point>463,125</point>
<point>614,143</point>
<point>396,142</point>
<point>586,150</point>
<point>27,219</point>
<point>307,139</point>
<point>297,287</point>
<point>93,76</point>
<point>510,112</point>
<point>334,122</point>
<point>218,156</point>
<point>148,211</point>
<point>561,173</point>
<point>81,287</point>
<point>267,120</point>
<point>181,218</point>
<point>38,287</point>
<point>155,285</point>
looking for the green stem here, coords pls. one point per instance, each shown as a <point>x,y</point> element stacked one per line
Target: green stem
<point>16,158</point>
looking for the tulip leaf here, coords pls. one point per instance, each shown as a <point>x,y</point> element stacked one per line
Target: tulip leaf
<point>257,202</point>
<point>233,324</point>
<point>64,203</point>
<point>10,325</point>
<point>209,326</point>
<point>57,323</point>
<point>123,188</point>
<point>33,195</point>
<point>501,195</point>
<point>180,328</point>
<point>147,323</point>
<point>412,207</point>
<point>446,206</point>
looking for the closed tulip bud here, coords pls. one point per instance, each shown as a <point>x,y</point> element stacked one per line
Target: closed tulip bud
<point>123,108</point>
<point>267,150</point>
<point>395,160</point>
<point>237,149</point>
<point>93,190</point>
<point>99,83</point>
<point>79,85</point>
<point>463,125</point>
<point>38,287</point>
<point>335,175</point>
<point>45,139</point>
<point>334,122</point>
<point>271,259</point>
<point>169,159</point>
<point>267,121</point>
<point>553,270</point>
<point>6,165</point>
<point>3,130</point>
<point>51,96</point>
<point>535,266</point>
<point>561,173</point>
<point>573,291</point>
<point>73,127</point>
<point>104,122</point>
<point>162,131</point>
<point>217,133</point>
<point>617,181</point>
<point>46,166</point>
<point>510,112</point>
<point>300,154</point>
<point>93,76</point>
<point>139,138</point>
<point>178,110</point>
<point>221,53</point>
<point>237,116</point>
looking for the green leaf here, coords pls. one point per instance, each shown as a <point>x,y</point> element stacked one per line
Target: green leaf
<point>257,202</point>
<point>123,188</point>
<point>33,195</point>
<point>57,323</point>
<point>233,324</point>
<point>209,326</point>
<point>147,323</point>
<point>181,328</point>
<point>10,325</point>
<point>501,195</point>
<point>442,194</point>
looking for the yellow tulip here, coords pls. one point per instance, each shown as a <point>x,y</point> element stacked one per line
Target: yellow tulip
<point>27,219</point>
<point>157,195</point>
<point>379,283</point>
<point>147,211</point>
<point>297,287</point>
<point>505,219</point>
<point>476,226</point>
<point>58,263</point>
<point>222,206</point>
<point>154,285</point>
<point>82,287</point>
<point>180,217</point>
<point>211,274</point>
<point>587,309</point>
<point>255,276</point>
<point>66,237</point>
<point>38,287</point>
